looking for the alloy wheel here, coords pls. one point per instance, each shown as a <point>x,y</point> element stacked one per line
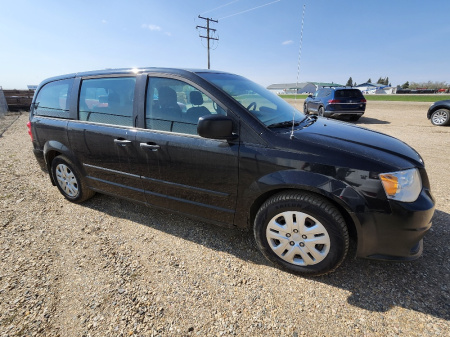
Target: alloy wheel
<point>439,117</point>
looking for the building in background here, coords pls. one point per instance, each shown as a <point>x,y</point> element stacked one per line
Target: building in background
<point>292,88</point>
<point>299,88</point>
<point>16,100</point>
<point>376,88</point>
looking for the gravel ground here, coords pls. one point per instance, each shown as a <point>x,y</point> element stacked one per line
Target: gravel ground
<point>110,267</point>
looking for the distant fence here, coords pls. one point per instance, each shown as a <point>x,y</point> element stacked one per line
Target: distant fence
<point>18,100</point>
<point>421,91</point>
<point>3,104</point>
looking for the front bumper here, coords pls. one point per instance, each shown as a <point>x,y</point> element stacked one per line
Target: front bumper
<point>397,236</point>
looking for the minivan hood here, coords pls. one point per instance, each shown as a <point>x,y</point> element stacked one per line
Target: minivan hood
<point>355,139</point>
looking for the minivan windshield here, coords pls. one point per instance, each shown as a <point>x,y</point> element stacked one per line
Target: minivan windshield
<point>260,102</point>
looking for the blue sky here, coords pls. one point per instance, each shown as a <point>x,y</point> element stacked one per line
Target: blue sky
<point>406,40</point>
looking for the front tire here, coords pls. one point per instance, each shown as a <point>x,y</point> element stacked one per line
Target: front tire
<point>301,232</point>
<point>440,117</point>
<point>69,180</point>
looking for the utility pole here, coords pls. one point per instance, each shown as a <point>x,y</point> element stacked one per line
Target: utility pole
<point>208,37</point>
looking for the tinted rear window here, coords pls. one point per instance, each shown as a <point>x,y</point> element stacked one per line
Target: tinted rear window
<point>107,100</point>
<point>52,99</point>
<point>348,93</point>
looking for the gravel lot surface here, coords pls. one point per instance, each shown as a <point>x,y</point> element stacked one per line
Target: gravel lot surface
<point>110,267</point>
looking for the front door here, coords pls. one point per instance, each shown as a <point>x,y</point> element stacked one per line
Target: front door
<point>179,169</point>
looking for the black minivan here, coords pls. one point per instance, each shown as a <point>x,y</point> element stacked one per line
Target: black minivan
<point>221,148</point>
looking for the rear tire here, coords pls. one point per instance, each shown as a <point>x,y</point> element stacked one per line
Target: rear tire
<point>301,232</point>
<point>305,109</point>
<point>440,117</point>
<point>69,180</point>
<point>321,111</point>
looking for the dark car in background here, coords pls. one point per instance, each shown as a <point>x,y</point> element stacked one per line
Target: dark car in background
<point>336,102</point>
<point>218,147</point>
<point>439,113</point>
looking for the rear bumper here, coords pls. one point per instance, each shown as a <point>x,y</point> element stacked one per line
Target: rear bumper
<point>334,110</point>
<point>40,159</point>
<point>397,236</point>
<point>343,113</point>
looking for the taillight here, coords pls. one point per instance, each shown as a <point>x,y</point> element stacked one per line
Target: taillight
<point>363,100</point>
<point>334,101</point>
<point>29,130</point>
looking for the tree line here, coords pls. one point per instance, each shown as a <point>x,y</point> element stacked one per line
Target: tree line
<point>407,85</point>
<point>425,85</point>
<point>381,80</point>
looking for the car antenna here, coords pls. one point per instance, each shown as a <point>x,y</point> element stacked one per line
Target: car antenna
<point>298,70</point>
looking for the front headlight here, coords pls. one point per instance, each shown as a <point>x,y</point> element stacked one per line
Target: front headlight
<point>403,185</point>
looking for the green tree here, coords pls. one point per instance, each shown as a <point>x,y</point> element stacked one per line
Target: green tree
<point>405,85</point>
<point>428,85</point>
<point>369,80</point>
<point>349,82</point>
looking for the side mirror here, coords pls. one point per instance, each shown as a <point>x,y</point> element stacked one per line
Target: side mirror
<point>215,127</point>
<point>310,96</point>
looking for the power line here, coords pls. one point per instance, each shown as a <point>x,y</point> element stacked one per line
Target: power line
<point>208,37</point>
<point>212,10</point>
<point>251,9</point>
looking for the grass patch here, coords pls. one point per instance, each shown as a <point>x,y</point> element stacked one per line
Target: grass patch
<point>397,98</point>
<point>293,96</point>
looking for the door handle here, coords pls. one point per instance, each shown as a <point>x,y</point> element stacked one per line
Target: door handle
<point>122,142</point>
<point>150,146</point>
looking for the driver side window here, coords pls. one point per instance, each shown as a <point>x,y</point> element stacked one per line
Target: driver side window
<point>176,106</point>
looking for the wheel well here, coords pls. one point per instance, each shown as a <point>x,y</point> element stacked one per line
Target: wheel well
<point>49,156</point>
<point>262,198</point>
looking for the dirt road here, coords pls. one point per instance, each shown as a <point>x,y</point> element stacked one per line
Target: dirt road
<point>110,267</point>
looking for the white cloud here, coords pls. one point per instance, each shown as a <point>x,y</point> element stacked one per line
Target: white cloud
<point>155,28</point>
<point>287,42</point>
<point>104,21</point>
<point>151,27</point>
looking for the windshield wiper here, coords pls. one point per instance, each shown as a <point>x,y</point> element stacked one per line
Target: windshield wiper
<point>283,124</point>
<point>309,117</point>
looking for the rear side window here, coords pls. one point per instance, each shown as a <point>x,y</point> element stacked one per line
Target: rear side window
<point>349,93</point>
<point>52,99</point>
<point>107,100</point>
<point>323,93</point>
<point>319,93</point>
